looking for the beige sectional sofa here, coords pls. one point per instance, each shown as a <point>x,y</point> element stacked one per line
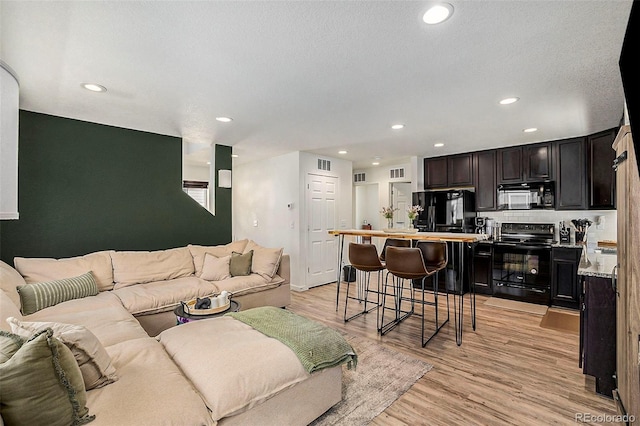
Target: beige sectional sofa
<point>201,373</point>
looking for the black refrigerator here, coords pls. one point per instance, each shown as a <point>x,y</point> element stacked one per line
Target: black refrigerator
<point>446,211</point>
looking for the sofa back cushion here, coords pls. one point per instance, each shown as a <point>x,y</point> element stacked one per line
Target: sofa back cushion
<point>36,270</point>
<point>138,267</point>
<point>199,252</point>
<point>10,279</point>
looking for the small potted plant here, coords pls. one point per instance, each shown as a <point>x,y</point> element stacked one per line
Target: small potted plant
<point>413,212</point>
<point>387,213</point>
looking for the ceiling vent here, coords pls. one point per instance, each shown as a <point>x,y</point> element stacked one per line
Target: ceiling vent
<point>359,177</point>
<point>396,173</point>
<point>324,165</point>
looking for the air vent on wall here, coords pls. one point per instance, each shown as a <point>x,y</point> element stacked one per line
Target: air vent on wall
<point>396,173</point>
<point>359,177</point>
<point>324,165</point>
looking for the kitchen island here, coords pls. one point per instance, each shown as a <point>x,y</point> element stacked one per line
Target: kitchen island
<point>458,240</point>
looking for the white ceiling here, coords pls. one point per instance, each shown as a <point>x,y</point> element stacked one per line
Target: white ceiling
<point>322,76</point>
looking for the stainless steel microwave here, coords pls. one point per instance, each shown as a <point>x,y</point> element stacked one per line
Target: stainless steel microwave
<point>526,196</point>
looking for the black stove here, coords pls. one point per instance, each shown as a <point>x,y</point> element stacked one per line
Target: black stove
<point>522,262</point>
<point>527,234</point>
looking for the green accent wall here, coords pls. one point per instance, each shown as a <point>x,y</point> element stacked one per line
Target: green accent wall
<point>84,187</point>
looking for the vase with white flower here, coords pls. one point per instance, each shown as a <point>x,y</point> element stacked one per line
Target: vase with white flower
<point>387,213</point>
<point>412,213</point>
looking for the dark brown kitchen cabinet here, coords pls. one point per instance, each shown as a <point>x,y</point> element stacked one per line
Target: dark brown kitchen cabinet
<point>525,163</point>
<point>571,185</point>
<point>538,162</point>
<point>484,166</point>
<point>482,268</point>
<point>460,170</point>
<point>598,333</point>
<point>435,173</point>
<point>565,285</point>
<point>510,165</point>
<point>601,176</point>
<point>449,171</point>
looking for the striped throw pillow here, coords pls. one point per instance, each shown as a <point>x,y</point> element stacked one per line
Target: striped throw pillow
<point>34,297</point>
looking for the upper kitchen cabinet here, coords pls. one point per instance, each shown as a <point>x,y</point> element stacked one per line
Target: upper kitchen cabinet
<point>435,173</point>
<point>449,171</point>
<point>538,164</point>
<point>601,176</point>
<point>484,165</point>
<point>510,165</point>
<point>571,186</point>
<point>525,163</point>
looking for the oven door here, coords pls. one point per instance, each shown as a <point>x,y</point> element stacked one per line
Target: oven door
<point>522,272</point>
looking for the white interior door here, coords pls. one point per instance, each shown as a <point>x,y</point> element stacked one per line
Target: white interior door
<point>401,199</point>
<point>322,216</point>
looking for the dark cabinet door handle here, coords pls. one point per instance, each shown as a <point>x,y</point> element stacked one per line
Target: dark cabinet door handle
<point>614,280</point>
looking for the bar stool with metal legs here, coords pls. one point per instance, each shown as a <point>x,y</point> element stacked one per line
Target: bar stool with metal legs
<point>393,242</point>
<point>364,258</point>
<point>435,255</point>
<point>409,264</point>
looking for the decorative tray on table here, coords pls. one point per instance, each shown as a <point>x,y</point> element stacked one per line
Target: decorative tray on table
<point>189,307</point>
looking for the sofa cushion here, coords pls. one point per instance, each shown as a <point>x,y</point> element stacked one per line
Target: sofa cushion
<point>7,309</point>
<point>151,390</point>
<point>240,264</point>
<point>92,358</point>
<point>215,268</point>
<point>34,297</point>
<point>250,284</point>
<point>198,252</point>
<point>265,260</point>
<point>233,366</point>
<point>138,267</point>
<point>103,315</point>
<point>10,279</point>
<point>40,382</point>
<point>36,270</point>
<point>162,296</point>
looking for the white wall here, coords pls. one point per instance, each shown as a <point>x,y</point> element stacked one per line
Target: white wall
<point>263,189</point>
<point>195,172</point>
<point>366,206</point>
<point>380,175</point>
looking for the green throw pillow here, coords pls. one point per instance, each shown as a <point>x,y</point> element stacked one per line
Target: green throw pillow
<point>240,264</point>
<point>40,382</point>
<point>34,297</point>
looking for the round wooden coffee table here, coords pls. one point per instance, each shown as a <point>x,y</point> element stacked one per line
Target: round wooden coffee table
<point>183,318</point>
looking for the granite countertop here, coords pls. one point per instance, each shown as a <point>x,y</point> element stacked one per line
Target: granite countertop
<point>597,264</point>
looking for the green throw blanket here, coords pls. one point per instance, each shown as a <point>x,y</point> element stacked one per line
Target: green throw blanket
<point>316,345</point>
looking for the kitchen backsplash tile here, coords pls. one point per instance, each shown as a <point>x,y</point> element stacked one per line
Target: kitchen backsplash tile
<point>606,231</point>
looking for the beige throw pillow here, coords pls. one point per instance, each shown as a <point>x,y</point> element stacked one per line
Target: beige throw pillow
<point>240,264</point>
<point>215,268</point>
<point>266,261</point>
<point>94,361</point>
<point>199,252</point>
<point>40,382</point>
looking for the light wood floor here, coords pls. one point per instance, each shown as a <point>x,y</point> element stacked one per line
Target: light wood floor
<point>509,371</point>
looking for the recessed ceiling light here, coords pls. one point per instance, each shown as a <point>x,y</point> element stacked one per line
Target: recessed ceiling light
<point>375,163</point>
<point>224,119</point>
<point>507,101</point>
<point>342,152</point>
<point>438,145</point>
<point>397,126</point>
<point>234,155</point>
<point>438,13</point>
<point>530,130</point>
<point>94,87</point>
<point>209,162</point>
